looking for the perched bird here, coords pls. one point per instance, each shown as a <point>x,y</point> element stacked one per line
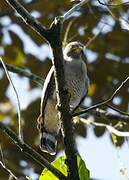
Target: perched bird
<point>77,83</point>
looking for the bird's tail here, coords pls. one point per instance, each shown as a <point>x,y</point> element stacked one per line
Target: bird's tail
<point>48,142</point>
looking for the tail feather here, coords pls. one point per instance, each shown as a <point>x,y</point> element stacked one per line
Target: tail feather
<point>48,142</point>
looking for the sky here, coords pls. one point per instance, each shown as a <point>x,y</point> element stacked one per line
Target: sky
<point>103,159</point>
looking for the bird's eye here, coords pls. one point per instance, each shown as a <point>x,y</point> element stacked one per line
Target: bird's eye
<point>77,49</point>
<point>74,48</point>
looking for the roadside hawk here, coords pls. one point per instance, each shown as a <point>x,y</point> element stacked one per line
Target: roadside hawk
<point>77,83</point>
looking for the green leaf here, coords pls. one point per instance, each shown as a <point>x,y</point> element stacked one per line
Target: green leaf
<point>82,170</point>
<point>61,166</point>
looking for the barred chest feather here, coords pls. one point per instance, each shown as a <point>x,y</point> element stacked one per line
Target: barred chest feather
<point>77,82</point>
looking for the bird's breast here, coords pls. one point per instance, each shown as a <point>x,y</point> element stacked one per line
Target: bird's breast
<point>76,77</point>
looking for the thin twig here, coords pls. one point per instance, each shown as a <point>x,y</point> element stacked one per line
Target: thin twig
<point>24,3</point>
<point>103,102</point>
<point>117,110</point>
<point>110,116</point>
<point>107,4</point>
<point>2,163</point>
<point>25,73</point>
<point>2,154</point>
<point>111,129</point>
<point>94,37</point>
<point>76,34</point>
<point>115,17</point>
<point>31,152</point>
<point>75,8</point>
<point>65,41</point>
<point>8,170</point>
<point>17,99</point>
<point>27,18</point>
<point>103,114</point>
<point>91,39</point>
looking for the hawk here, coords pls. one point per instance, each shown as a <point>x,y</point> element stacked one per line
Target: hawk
<point>77,83</point>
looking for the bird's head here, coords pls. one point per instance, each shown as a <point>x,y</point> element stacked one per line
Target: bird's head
<point>74,50</point>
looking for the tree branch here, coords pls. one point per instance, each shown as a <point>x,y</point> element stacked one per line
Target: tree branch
<point>75,8</point>
<point>110,116</point>
<point>108,4</point>
<point>111,129</point>
<point>63,99</point>
<point>118,110</point>
<point>8,170</point>
<point>27,18</point>
<point>31,152</point>
<point>103,102</point>
<point>25,4</point>
<point>103,114</point>
<point>3,165</point>
<point>22,72</point>
<point>17,99</point>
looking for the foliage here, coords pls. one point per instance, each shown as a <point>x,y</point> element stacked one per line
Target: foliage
<point>60,165</point>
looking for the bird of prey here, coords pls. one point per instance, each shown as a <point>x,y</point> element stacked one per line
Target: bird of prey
<point>77,83</point>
